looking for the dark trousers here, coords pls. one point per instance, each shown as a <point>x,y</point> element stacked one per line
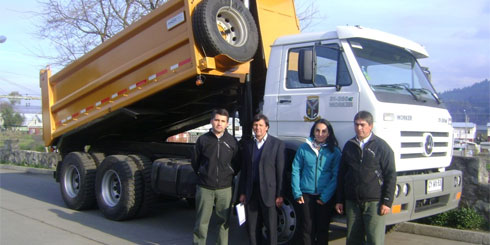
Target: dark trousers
<point>316,220</point>
<point>258,215</point>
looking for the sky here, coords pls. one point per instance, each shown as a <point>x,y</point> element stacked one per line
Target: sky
<point>456,35</point>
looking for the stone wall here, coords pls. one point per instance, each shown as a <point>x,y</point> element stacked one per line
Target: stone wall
<point>10,153</point>
<point>476,187</point>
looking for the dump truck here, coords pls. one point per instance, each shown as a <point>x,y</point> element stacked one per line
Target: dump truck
<point>109,113</point>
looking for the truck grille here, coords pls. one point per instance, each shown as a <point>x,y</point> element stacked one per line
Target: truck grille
<point>419,144</point>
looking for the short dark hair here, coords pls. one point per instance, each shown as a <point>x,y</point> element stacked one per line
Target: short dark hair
<point>261,116</point>
<point>220,111</point>
<point>331,139</point>
<point>364,115</point>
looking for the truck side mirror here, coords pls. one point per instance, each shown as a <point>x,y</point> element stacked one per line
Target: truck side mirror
<point>427,73</point>
<point>305,66</point>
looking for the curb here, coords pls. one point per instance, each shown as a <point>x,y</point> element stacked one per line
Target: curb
<point>445,233</point>
<point>28,170</point>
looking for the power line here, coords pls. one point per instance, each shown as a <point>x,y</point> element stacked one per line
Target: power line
<point>20,97</point>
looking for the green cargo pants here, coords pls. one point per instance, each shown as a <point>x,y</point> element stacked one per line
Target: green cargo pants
<point>364,224</point>
<point>205,200</point>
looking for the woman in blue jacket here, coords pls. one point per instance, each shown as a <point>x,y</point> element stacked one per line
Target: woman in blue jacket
<point>314,179</point>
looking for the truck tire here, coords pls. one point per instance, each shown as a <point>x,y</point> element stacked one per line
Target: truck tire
<point>119,187</point>
<point>288,223</point>
<point>149,196</point>
<point>391,228</point>
<point>221,28</point>
<point>77,178</point>
<point>98,157</point>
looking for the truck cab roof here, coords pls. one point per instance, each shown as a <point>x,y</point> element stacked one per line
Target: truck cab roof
<point>346,32</point>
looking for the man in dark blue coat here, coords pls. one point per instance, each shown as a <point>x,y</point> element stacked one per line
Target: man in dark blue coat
<point>261,181</point>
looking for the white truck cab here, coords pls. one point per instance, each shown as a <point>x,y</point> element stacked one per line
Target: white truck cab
<point>356,69</point>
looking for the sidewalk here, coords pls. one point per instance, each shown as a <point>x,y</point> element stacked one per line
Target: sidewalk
<point>406,227</point>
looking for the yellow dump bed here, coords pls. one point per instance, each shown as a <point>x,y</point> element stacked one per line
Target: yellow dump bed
<point>122,87</point>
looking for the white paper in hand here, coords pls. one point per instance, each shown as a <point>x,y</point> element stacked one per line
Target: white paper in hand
<point>240,210</point>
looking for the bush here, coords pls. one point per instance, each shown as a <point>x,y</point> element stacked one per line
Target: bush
<point>461,218</point>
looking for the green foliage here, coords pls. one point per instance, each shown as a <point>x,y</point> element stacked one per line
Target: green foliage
<point>26,141</point>
<point>461,218</point>
<point>9,116</point>
<point>14,101</point>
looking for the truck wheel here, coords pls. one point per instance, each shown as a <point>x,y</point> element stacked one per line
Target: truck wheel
<point>288,220</point>
<point>149,196</point>
<point>98,157</point>
<point>77,177</point>
<point>119,187</point>
<point>391,228</point>
<point>224,28</point>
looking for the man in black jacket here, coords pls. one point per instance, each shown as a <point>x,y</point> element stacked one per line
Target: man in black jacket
<point>215,162</point>
<point>366,183</point>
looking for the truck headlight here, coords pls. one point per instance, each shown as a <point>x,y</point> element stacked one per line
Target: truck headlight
<point>405,189</point>
<point>397,190</point>
<point>457,181</point>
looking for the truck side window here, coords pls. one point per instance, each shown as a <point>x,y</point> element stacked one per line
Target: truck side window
<point>329,71</point>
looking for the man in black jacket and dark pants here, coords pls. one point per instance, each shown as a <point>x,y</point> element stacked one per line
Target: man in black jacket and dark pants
<point>215,162</point>
<point>366,183</point>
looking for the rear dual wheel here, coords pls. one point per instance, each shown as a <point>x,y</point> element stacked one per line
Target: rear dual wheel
<point>77,180</point>
<point>119,187</point>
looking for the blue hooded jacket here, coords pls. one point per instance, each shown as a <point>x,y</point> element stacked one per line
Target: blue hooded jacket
<point>315,171</point>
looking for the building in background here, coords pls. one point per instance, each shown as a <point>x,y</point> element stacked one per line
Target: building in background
<point>33,123</point>
<point>464,131</point>
<point>192,135</point>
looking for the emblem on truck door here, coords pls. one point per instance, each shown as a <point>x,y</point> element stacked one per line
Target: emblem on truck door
<point>428,144</point>
<point>312,108</point>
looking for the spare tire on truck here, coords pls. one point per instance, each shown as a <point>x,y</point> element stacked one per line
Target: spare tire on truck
<point>225,29</point>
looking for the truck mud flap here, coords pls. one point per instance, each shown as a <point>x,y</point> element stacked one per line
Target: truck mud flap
<point>174,178</point>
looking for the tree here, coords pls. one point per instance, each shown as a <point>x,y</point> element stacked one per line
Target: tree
<point>76,27</point>
<point>307,11</point>
<point>10,118</point>
<point>13,100</point>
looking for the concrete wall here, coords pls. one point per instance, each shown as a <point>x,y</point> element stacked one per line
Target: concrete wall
<point>476,187</point>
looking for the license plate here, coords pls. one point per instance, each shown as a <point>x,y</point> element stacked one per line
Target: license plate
<point>434,185</point>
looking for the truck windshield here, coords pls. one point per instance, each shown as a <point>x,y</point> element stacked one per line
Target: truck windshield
<point>393,73</point>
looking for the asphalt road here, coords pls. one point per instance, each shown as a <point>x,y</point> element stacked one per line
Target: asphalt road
<point>32,212</point>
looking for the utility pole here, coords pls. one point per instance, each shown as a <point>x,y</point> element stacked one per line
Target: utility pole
<point>465,131</point>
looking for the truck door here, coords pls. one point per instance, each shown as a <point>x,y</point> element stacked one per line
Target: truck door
<point>317,85</point>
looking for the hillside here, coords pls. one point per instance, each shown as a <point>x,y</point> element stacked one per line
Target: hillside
<point>474,99</point>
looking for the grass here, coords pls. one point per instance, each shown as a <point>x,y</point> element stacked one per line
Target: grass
<point>26,141</point>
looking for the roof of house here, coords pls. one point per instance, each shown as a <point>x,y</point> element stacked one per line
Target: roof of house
<point>463,125</point>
